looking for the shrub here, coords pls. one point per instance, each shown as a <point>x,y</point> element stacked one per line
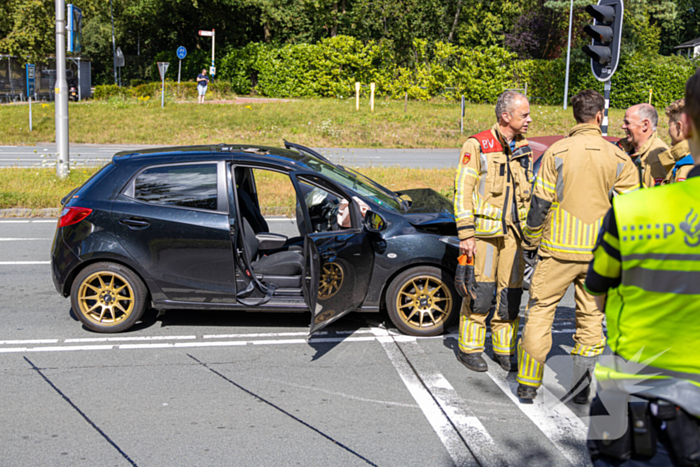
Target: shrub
<point>332,66</point>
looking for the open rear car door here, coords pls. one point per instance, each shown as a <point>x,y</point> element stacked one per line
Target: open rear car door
<point>338,262</point>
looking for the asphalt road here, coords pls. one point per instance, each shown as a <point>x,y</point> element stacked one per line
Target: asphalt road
<point>81,155</point>
<point>207,389</point>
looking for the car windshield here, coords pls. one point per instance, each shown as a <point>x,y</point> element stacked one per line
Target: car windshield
<point>361,184</point>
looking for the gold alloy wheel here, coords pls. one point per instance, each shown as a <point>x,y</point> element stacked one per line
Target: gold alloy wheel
<point>331,280</point>
<point>106,298</point>
<point>424,302</point>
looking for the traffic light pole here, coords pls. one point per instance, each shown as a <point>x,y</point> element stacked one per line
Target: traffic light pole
<point>568,55</point>
<point>604,126</point>
<point>61,94</point>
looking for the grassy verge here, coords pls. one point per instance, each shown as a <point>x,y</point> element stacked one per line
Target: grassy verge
<point>312,122</point>
<point>39,188</point>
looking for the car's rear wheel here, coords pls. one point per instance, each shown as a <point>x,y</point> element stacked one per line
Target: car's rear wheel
<point>422,301</point>
<point>108,297</point>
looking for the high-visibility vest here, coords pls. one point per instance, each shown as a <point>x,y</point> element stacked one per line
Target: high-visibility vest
<point>653,316</point>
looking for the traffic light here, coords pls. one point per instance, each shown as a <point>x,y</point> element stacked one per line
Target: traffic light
<point>606,32</point>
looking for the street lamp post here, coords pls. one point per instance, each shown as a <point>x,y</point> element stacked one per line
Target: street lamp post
<point>61,94</point>
<point>114,43</point>
<point>568,55</point>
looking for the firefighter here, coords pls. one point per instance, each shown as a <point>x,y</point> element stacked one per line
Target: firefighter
<point>679,152</point>
<point>644,146</point>
<point>492,192</point>
<point>577,178</point>
<point>646,274</point>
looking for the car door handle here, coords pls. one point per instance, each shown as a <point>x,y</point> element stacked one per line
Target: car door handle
<point>135,223</point>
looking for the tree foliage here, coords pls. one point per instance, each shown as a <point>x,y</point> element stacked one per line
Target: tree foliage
<point>147,29</point>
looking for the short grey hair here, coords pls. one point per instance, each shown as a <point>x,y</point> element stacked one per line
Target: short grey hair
<point>648,112</point>
<point>506,102</point>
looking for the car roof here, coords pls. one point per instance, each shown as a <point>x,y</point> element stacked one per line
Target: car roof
<point>280,156</point>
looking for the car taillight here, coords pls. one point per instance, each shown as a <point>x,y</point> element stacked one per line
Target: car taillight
<point>73,215</point>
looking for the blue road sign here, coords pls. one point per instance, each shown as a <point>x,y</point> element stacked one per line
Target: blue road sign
<point>31,73</point>
<point>181,52</point>
<point>75,29</point>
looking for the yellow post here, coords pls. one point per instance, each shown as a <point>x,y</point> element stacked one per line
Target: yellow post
<point>371,96</point>
<point>357,96</point>
<point>650,90</point>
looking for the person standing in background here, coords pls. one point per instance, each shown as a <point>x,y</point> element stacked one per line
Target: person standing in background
<point>680,151</point>
<point>643,145</point>
<point>202,83</point>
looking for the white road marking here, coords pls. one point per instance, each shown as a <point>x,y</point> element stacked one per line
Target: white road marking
<point>22,263</point>
<point>282,334</point>
<point>67,348</point>
<point>438,400</point>
<point>122,339</point>
<point>558,423</point>
<point>23,239</point>
<point>26,221</point>
<point>29,341</point>
<point>166,345</point>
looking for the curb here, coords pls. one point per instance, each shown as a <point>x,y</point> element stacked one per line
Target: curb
<point>23,212</point>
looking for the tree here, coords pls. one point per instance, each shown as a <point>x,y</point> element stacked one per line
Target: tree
<point>29,29</point>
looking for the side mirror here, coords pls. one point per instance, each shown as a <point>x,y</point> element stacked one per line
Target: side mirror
<point>374,222</point>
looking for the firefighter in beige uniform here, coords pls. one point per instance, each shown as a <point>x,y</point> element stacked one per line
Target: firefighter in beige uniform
<point>578,177</point>
<point>646,149</point>
<point>680,150</point>
<point>492,191</point>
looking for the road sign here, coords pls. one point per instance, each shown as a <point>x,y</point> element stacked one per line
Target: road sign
<point>75,28</point>
<point>120,57</point>
<point>212,70</point>
<point>206,33</point>
<point>162,68</point>
<point>31,74</point>
<point>606,32</point>
<point>181,52</point>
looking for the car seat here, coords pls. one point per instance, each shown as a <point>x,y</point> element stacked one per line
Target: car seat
<point>280,263</point>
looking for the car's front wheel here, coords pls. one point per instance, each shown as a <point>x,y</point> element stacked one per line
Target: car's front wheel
<point>422,301</point>
<point>108,297</point>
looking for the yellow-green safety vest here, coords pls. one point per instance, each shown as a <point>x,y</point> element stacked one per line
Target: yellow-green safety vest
<point>653,316</point>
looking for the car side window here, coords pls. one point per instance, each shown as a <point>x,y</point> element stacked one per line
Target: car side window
<point>326,210</point>
<point>189,186</point>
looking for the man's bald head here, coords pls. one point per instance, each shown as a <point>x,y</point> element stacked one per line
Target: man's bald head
<point>647,112</point>
<point>640,123</point>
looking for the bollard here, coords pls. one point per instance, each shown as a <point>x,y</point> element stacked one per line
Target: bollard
<point>371,96</point>
<point>357,96</point>
<point>405,104</point>
<point>650,90</point>
<point>461,119</point>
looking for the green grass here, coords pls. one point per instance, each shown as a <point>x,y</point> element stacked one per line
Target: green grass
<point>312,122</point>
<point>39,188</point>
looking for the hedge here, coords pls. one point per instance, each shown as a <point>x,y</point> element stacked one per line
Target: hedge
<point>331,67</point>
<point>218,90</point>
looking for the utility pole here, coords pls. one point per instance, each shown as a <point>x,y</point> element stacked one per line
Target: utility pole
<point>114,43</point>
<point>61,94</point>
<point>568,54</point>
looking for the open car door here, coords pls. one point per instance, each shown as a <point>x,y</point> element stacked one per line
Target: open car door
<point>338,258</point>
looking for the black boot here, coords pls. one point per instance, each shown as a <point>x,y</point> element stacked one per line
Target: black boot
<point>581,397</point>
<point>581,385</point>
<point>526,393</point>
<point>507,362</point>
<point>473,361</point>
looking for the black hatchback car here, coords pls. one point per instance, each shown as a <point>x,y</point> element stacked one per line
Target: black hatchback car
<point>182,228</point>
